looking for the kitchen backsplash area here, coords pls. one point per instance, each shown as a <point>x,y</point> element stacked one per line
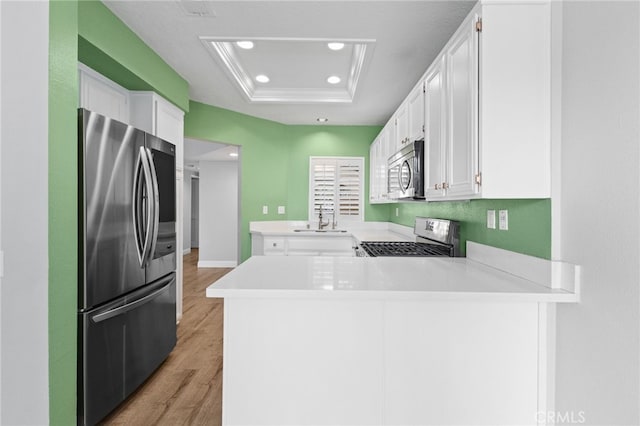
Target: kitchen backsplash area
<point>529,222</point>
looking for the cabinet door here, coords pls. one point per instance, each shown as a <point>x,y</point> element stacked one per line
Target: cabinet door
<point>385,141</point>
<point>435,141</point>
<point>170,126</point>
<point>416,113</point>
<point>402,127</point>
<point>101,95</point>
<point>462,82</point>
<point>374,164</point>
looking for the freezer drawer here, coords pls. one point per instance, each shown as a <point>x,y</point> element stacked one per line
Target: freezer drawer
<point>122,344</point>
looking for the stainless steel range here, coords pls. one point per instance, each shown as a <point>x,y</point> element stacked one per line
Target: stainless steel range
<point>434,237</point>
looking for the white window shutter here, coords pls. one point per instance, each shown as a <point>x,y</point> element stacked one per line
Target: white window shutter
<point>337,185</point>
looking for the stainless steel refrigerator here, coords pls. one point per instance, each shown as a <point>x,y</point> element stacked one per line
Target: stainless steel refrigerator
<point>127,261</point>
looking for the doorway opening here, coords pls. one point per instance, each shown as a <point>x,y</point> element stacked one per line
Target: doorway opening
<point>212,202</point>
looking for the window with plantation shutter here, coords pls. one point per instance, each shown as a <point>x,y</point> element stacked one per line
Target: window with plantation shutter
<point>336,185</point>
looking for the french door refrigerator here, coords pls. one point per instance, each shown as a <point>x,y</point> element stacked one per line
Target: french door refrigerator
<point>127,261</point>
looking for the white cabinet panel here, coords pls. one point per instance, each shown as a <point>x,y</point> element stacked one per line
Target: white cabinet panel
<point>401,120</point>
<point>415,105</point>
<point>302,245</point>
<point>101,95</point>
<point>379,153</point>
<point>460,363</point>
<point>302,362</point>
<point>461,59</point>
<point>515,100</point>
<point>435,126</point>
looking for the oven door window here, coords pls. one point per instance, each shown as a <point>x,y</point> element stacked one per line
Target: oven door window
<point>405,175</point>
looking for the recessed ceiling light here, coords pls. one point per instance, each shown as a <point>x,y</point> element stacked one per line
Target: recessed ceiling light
<point>334,79</point>
<point>245,44</point>
<point>335,45</point>
<point>262,78</point>
<point>322,120</point>
<point>233,154</point>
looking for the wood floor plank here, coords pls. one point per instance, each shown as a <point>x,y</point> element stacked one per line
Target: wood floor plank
<point>187,388</point>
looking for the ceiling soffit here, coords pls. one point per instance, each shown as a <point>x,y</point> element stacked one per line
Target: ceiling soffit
<point>298,68</point>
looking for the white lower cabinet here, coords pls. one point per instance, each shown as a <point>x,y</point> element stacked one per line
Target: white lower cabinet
<point>363,362</point>
<point>460,363</point>
<point>301,245</point>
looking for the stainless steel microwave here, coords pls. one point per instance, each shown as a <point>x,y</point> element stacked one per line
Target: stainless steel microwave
<point>406,172</point>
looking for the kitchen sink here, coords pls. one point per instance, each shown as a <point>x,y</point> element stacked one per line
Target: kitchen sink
<point>320,230</point>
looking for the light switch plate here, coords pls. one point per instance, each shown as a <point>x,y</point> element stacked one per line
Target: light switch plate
<point>491,219</point>
<point>280,209</point>
<point>503,219</point>
<point>265,209</point>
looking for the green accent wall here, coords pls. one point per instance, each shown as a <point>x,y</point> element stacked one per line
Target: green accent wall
<point>529,222</point>
<point>63,249</point>
<point>274,169</point>
<point>107,45</point>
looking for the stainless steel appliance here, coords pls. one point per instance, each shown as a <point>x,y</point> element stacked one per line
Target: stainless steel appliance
<point>434,237</point>
<point>127,261</point>
<point>406,172</point>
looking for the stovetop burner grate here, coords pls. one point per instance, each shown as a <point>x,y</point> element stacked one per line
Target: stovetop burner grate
<point>404,248</point>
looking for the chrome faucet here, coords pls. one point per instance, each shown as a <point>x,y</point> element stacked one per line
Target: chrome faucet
<point>321,224</point>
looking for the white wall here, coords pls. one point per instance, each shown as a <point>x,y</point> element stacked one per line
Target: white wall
<point>186,212</point>
<point>24,138</point>
<point>218,214</point>
<point>598,340</point>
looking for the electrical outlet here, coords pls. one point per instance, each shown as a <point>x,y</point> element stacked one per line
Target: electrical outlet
<point>280,209</point>
<point>491,219</point>
<point>397,210</point>
<point>265,209</point>
<point>504,220</point>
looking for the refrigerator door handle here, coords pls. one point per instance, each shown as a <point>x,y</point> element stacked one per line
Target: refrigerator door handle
<point>156,204</point>
<point>132,305</point>
<point>143,236</point>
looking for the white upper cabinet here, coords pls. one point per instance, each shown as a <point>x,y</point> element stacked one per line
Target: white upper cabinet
<point>378,162</point>
<point>101,95</point>
<point>415,110</point>
<point>487,106</point>
<point>374,164</point>
<point>461,61</point>
<point>515,100</point>
<point>435,125</point>
<point>401,120</point>
<point>154,114</point>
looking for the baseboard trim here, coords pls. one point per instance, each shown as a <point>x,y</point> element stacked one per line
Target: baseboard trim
<point>217,264</point>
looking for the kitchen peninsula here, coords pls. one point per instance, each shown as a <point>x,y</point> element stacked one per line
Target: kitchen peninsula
<point>349,340</point>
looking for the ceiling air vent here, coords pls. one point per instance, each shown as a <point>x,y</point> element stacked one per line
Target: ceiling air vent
<point>197,8</point>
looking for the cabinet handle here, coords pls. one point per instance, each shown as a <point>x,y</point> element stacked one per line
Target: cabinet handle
<point>445,185</point>
<point>436,186</point>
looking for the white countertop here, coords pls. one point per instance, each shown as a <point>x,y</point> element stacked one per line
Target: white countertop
<point>379,278</point>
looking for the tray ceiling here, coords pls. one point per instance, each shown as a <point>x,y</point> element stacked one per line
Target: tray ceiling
<point>388,46</point>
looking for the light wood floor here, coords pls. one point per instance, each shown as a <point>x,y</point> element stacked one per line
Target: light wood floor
<point>187,388</point>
